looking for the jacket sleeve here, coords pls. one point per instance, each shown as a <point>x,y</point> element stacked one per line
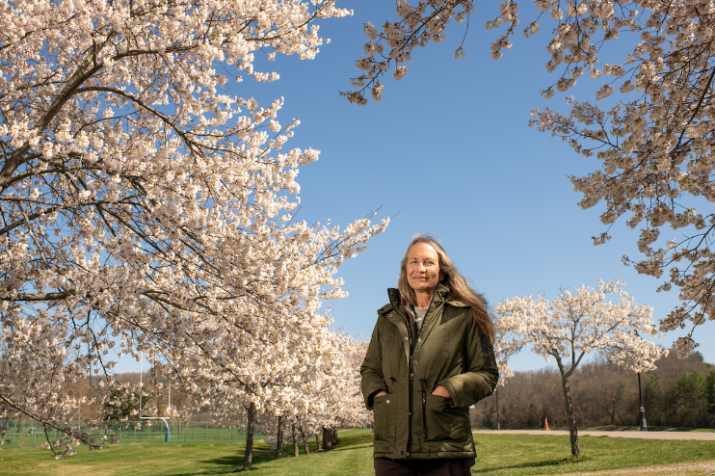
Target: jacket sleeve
<point>371,368</point>
<point>481,378</point>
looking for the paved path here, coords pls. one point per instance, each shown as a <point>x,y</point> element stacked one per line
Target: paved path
<point>706,468</point>
<point>651,435</point>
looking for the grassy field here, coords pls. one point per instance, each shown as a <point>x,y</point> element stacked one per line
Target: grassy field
<point>27,434</point>
<point>498,455</point>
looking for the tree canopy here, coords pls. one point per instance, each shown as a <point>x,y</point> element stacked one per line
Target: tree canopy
<point>144,207</point>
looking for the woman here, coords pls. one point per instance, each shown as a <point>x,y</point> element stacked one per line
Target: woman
<point>429,359</point>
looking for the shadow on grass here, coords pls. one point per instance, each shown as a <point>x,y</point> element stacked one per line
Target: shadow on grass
<point>355,441</point>
<point>530,464</point>
<point>263,453</point>
<point>352,448</point>
<point>206,473</point>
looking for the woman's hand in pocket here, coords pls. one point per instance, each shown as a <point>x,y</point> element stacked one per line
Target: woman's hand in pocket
<point>442,392</point>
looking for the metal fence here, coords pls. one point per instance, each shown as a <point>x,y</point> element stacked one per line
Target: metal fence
<point>29,434</point>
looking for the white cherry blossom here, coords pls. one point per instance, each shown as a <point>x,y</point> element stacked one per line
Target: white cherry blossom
<point>576,324</point>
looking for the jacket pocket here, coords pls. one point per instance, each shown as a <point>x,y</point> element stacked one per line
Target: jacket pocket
<point>382,417</point>
<point>442,422</point>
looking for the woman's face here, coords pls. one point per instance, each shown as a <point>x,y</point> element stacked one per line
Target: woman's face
<point>423,268</point>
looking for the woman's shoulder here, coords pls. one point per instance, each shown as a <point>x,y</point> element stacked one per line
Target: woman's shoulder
<point>386,308</point>
<point>456,303</point>
<point>457,309</point>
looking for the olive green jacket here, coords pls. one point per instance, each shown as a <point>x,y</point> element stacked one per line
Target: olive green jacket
<point>451,351</point>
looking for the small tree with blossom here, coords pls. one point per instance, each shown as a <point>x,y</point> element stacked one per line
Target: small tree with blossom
<point>578,323</point>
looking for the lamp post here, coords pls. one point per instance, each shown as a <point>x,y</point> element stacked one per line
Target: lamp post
<point>644,427</point>
<point>141,381</point>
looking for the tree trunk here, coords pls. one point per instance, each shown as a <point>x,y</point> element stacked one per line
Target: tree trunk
<point>333,436</point>
<point>296,451</point>
<point>317,443</point>
<point>305,441</point>
<point>279,438</point>
<point>251,419</point>
<point>326,439</point>
<point>573,432</point>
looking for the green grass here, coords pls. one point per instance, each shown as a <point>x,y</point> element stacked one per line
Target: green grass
<point>23,434</point>
<point>497,455</point>
<point>614,428</point>
<point>532,454</point>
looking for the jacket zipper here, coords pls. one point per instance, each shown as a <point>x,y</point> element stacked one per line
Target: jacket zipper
<point>423,385</point>
<point>409,421</point>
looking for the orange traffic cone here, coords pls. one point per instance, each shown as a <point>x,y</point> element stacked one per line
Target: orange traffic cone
<point>546,424</point>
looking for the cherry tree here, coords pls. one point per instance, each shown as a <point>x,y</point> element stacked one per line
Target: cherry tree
<point>297,377</point>
<point>145,208</point>
<point>578,323</point>
<point>653,143</point>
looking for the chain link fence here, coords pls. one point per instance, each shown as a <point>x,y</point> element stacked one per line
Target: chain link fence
<point>29,434</point>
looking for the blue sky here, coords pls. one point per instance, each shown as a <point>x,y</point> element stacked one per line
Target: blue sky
<point>449,148</point>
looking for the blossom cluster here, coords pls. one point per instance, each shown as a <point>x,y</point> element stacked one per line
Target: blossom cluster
<point>419,24</point>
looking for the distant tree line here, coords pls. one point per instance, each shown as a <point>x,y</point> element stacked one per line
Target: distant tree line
<point>679,393</point>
